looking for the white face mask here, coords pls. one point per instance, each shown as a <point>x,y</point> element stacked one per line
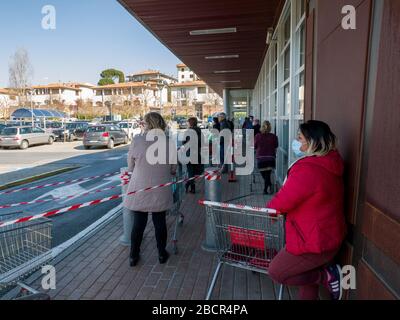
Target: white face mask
<point>296,146</point>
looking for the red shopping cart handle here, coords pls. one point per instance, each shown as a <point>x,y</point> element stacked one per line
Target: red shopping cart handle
<point>271,212</point>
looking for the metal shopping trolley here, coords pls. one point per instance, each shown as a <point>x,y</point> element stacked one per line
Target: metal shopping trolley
<point>24,248</point>
<point>246,237</point>
<point>178,192</point>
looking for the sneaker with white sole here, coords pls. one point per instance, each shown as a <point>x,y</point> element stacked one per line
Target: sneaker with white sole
<point>334,281</point>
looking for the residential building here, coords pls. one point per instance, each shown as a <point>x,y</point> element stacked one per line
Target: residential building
<point>158,79</point>
<point>191,92</point>
<point>127,94</point>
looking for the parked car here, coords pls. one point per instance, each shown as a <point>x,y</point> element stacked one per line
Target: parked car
<point>24,137</point>
<point>183,124</point>
<point>73,131</point>
<point>52,126</point>
<point>130,128</point>
<point>2,126</point>
<point>104,135</point>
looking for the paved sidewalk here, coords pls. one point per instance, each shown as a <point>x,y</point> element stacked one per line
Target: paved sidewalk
<point>99,268</point>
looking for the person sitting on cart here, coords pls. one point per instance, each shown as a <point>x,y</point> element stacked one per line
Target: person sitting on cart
<point>194,169</point>
<point>312,199</point>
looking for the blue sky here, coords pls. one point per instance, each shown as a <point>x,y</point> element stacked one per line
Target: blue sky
<point>90,36</point>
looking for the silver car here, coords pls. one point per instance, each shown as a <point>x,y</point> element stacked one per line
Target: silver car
<point>24,137</point>
<point>104,135</point>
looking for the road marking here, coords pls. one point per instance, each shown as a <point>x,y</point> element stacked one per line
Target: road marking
<point>108,181</point>
<point>64,191</point>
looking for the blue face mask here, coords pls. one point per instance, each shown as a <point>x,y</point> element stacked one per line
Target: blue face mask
<point>296,145</point>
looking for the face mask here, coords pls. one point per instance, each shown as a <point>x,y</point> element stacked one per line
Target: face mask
<point>296,145</point>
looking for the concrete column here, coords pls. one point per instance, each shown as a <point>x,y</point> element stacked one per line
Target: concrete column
<point>127,217</point>
<point>226,102</point>
<point>212,193</point>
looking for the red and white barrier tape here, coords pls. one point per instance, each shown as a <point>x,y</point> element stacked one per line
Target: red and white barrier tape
<point>271,212</point>
<point>94,202</point>
<point>59,183</point>
<point>13,205</point>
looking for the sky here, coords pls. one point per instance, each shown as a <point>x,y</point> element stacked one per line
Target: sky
<point>90,36</point>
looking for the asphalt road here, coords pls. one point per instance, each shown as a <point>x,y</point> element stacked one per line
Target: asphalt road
<point>68,224</point>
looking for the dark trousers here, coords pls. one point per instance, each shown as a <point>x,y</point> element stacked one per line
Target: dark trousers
<point>139,225</point>
<point>193,170</point>
<point>267,178</point>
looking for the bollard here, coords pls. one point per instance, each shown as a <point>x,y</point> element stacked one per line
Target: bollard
<point>212,193</point>
<point>127,216</point>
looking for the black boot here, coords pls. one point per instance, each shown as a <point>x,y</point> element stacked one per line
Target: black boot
<point>163,258</point>
<point>133,261</point>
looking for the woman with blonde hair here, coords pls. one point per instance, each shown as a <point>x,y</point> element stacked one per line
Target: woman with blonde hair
<point>156,201</point>
<point>266,144</point>
<point>312,199</point>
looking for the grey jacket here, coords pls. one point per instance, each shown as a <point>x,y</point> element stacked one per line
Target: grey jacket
<point>146,175</point>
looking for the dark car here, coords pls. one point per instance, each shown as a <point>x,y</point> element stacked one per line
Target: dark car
<point>104,135</point>
<point>73,131</point>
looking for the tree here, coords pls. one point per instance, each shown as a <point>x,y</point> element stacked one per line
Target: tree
<point>4,107</point>
<point>20,74</point>
<point>109,76</point>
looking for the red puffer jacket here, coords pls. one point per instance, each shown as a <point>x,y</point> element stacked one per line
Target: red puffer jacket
<point>312,198</point>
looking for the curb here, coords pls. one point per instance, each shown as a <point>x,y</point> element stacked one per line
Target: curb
<point>37,177</point>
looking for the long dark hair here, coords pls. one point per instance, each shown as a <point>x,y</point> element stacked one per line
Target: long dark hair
<point>319,137</point>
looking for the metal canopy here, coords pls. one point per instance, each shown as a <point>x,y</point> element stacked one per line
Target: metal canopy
<point>37,113</point>
<point>173,22</point>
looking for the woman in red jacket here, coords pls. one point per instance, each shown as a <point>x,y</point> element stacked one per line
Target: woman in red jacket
<point>312,198</point>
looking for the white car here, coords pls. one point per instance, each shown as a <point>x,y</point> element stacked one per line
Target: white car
<point>131,128</point>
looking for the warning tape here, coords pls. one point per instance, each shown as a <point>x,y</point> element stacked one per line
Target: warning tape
<point>59,183</point>
<point>96,202</point>
<point>13,205</point>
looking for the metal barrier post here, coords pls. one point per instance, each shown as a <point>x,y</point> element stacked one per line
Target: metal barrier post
<point>212,193</point>
<point>127,216</point>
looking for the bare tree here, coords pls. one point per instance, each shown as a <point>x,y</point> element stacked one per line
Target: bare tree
<point>20,74</point>
<point>4,107</point>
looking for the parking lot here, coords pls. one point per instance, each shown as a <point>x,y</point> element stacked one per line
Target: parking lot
<point>15,159</point>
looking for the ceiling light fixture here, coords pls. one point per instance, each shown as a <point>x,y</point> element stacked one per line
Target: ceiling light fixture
<point>228,56</point>
<point>212,31</point>
<point>226,71</point>
<point>231,81</point>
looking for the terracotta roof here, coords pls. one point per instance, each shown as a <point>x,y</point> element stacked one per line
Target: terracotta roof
<point>56,86</point>
<point>146,72</point>
<point>198,83</point>
<point>181,65</point>
<point>124,85</point>
<point>7,91</point>
<point>79,84</point>
<point>152,72</point>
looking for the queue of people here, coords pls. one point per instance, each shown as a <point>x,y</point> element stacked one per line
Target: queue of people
<point>311,198</point>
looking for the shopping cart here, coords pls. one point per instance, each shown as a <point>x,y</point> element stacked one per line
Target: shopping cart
<point>178,192</point>
<point>24,248</point>
<point>246,237</point>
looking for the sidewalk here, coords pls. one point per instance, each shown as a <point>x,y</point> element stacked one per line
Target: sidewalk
<point>99,268</point>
